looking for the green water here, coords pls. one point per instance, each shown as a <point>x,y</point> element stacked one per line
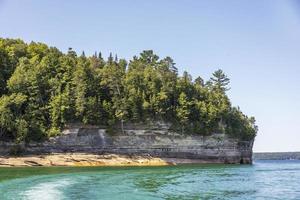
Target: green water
<point>263,180</point>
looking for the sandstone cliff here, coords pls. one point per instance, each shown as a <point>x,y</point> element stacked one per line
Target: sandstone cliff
<point>154,142</point>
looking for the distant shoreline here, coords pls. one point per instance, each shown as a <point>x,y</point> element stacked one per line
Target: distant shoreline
<point>276,156</point>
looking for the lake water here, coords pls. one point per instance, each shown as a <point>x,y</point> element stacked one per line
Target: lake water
<point>263,180</point>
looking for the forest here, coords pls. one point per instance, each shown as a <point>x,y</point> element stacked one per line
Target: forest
<point>43,89</point>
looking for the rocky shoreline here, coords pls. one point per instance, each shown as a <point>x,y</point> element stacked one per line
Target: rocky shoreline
<point>84,159</point>
<point>81,159</point>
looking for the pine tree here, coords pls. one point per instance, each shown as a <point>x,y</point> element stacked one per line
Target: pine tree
<point>220,80</point>
<point>183,110</point>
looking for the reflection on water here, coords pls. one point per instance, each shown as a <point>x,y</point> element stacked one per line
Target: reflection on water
<point>264,180</point>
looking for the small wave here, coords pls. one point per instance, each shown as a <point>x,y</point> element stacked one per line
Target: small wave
<point>46,191</point>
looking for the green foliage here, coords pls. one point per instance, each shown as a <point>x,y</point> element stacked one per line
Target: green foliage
<point>240,126</point>
<point>43,89</point>
<point>12,122</point>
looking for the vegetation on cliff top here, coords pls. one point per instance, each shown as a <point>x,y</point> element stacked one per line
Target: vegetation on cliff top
<point>43,89</point>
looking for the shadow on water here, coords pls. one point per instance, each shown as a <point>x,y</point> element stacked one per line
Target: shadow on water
<point>22,172</point>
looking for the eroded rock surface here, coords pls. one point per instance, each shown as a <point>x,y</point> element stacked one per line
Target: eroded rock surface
<point>158,142</point>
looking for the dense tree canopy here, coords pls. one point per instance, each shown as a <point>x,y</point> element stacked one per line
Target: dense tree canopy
<point>43,89</point>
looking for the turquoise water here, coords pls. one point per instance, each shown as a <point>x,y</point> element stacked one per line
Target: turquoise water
<point>263,180</point>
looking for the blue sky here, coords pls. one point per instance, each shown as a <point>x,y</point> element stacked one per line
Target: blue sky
<point>257,43</point>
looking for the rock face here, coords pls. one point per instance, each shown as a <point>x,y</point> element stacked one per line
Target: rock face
<point>155,142</point>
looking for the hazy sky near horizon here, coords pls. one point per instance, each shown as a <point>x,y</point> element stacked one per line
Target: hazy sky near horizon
<point>257,44</point>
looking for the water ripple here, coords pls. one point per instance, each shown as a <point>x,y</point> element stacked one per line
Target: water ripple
<point>264,180</point>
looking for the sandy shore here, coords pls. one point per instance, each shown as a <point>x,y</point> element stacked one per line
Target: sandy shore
<point>82,159</point>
